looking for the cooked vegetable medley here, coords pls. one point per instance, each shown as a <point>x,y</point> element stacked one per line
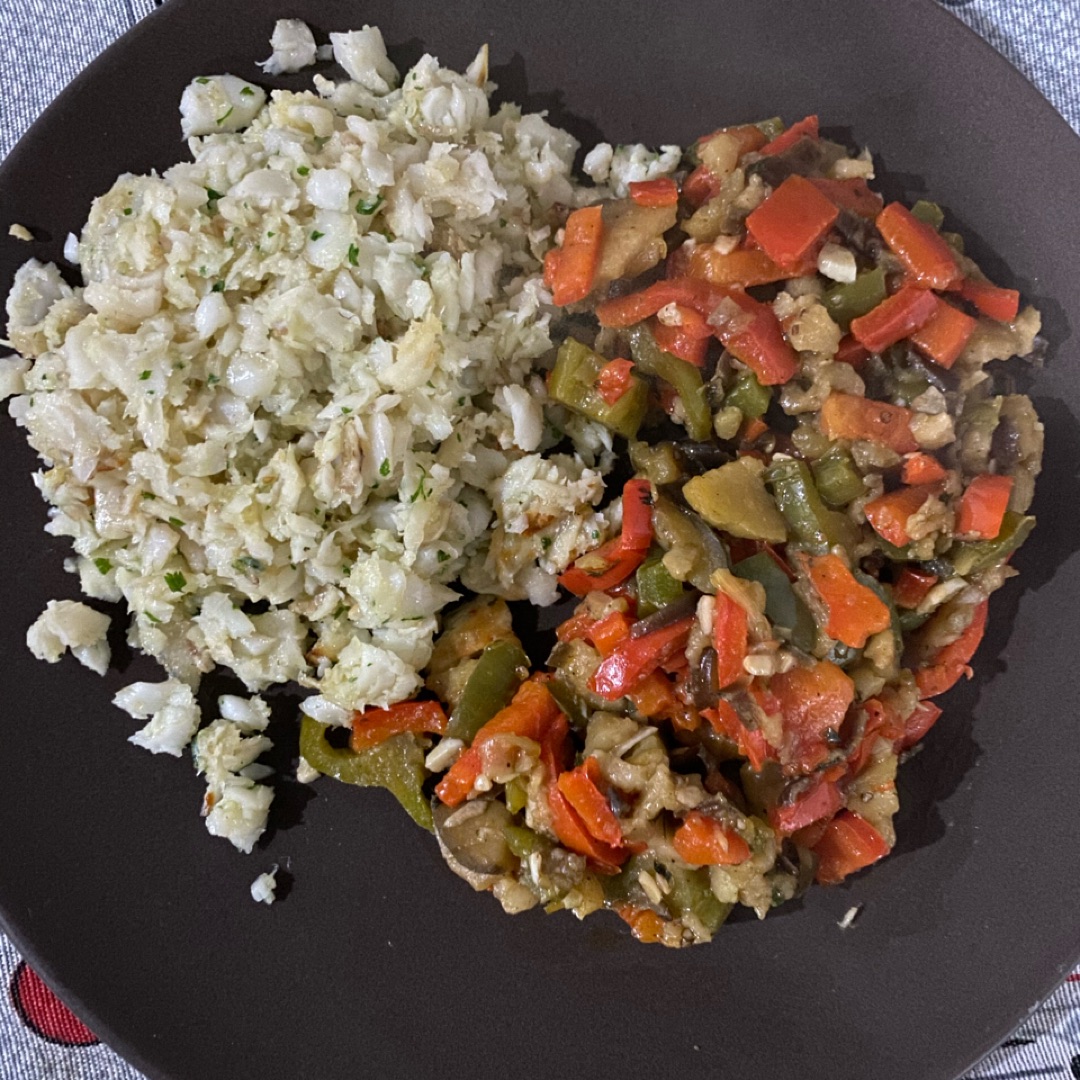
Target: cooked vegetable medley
<point>829,479</point>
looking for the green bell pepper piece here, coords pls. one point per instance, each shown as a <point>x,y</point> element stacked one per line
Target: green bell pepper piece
<point>516,794</point>
<point>847,302</point>
<point>691,894</point>
<point>783,608</point>
<point>524,842</point>
<point>816,526</point>
<point>683,377</point>
<point>656,588</point>
<point>837,479</point>
<point>748,395</point>
<point>929,213</point>
<point>771,128</point>
<point>573,384</point>
<point>397,765</point>
<point>501,669</point>
<point>972,555</point>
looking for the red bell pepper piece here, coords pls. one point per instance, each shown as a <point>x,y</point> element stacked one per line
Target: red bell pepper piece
<point>925,256</point>
<point>730,631</point>
<point>944,336</point>
<point>614,379</point>
<point>741,268</point>
<point>759,343</point>
<point>849,843</point>
<point>846,416</point>
<point>532,713</point>
<point>853,194</point>
<point>582,790</point>
<point>888,514</point>
<point>636,658</point>
<point>997,303</point>
<point>608,632</point>
<point>922,469</point>
<point>922,719</point>
<point>681,342</point>
<point>911,586</point>
<point>950,662</point>
<point>895,318</point>
<point>703,841</point>
<point>615,561</point>
<point>788,138</point>
<point>570,270</point>
<point>646,926</point>
<point>754,336</point>
<point>661,192</point>
<point>724,720</point>
<point>792,221</point>
<point>374,726</point>
<point>851,352</point>
<point>574,835</point>
<point>983,506</point>
<point>813,701</point>
<point>701,186</point>
<point>655,697</point>
<point>821,801</point>
<point>855,611</point>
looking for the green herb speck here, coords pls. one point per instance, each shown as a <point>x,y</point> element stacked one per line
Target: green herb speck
<point>219,286</point>
<point>247,91</point>
<point>151,616</point>
<point>384,468</point>
<point>366,207</point>
<point>103,565</point>
<point>354,255</point>
<point>225,116</point>
<point>202,80</point>
<point>316,235</point>
<point>443,556</point>
<point>303,170</point>
<point>143,376</point>
<point>211,379</point>
<point>148,495</point>
<point>176,581</point>
<point>127,211</point>
<point>176,523</point>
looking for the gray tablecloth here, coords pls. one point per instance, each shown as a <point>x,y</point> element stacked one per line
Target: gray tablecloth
<point>43,45</point>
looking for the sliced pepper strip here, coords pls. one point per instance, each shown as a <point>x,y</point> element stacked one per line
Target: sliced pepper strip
<point>703,841</point>
<point>741,268</point>
<point>813,700</point>
<point>983,506</point>
<point>374,726</point>
<point>821,801</point>
<point>950,662</point>
<point>855,611</point>
<point>570,270</point>
<point>758,341</point>
<point>922,469</point>
<point>660,192</point>
<point>681,342</point>
<point>788,138</point>
<point>582,789</point>
<point>730,632</point>
<point>895,318</point>
<point>925,255</point>
<point>849,843</point>
<point>923,717</point>
<point>533,714</point>
<point>888,514</point>
<point>991,300</point>
<point>910,588</point>
<point>636,658</point>
<point>752,744</point>
<point>944,336</point>
<point>846,416</point>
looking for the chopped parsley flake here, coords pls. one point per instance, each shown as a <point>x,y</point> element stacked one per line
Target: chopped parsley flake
<point>143,376</point>
<point>219,286</point>
<point>225,116</point>
<point>151,616</point>
<point>354,255</point>
<point>384,468</point>
<point>316,235</point>
<point>545,542</point>
<point>303,170</point>
<point>345,410</point>
<point>202,80</point>
<point>212,195</point>
<point>248,562</point>
<point>127,211</point>
<point>247,91</point>
<point>366,207</point>
<point>443,556</point>
<point>176,523</point>
<point>103,565</point>
<point>148,495</point>
<point>176,581</point>
<point>211,379</point>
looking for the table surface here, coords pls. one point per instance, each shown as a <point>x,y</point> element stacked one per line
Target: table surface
<point>43,45</point>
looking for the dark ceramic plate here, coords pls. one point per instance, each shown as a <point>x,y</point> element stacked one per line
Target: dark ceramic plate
<point>380,963</point>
